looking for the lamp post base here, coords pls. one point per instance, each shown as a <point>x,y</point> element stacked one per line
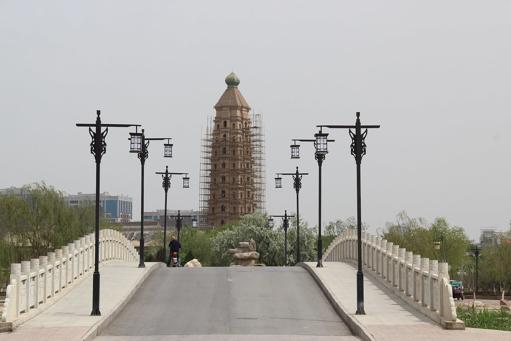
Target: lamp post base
<point>320,264</point>
<point>95,294</point>
<point>360,294</point>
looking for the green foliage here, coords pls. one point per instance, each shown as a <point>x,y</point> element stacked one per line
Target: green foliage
<point>36,223</point>
<point>270,242</point>
<point>335,228</point>
<point>417,236</point>
<point>485,319</point>
<point>495,266</point>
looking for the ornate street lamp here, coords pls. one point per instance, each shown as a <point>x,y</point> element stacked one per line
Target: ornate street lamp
<point>476,252</point>
<point>166,176</point>
<point>297,184</point>
<point>135,141</point>
<point>179,222</point>
<point>139,144</point>
<point>278,181</point>
<point>358,150</point>
<point>295,150</point>
<point>186,181</point>
<point>321,146</point>
<point>271,222</point>
<point>285,225</point>
<point>98,149</point>
<point>167,149</point>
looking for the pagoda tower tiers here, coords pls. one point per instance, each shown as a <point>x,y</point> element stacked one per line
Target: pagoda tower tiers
<point>232,186</point>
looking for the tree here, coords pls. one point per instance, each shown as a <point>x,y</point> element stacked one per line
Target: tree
<point>38,222</point>
<point>270,242</point>
<point>417,236</point>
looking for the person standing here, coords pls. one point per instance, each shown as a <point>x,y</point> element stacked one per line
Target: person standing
<point>174,246</point>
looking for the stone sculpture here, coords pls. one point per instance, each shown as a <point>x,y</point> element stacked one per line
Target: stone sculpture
<point>245,254</point>
<point>194,263</point>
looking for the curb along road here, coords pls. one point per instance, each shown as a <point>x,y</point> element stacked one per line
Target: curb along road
<point>99,326</point>
<point>356,328</point>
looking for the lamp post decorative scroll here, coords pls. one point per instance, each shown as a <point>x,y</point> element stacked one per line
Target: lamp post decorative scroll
<point>285,225</point>
<point>139,144</point>
<point>358,150</point>
<point>98,149</point>
<point>297,185</point>
<point>166,176</point>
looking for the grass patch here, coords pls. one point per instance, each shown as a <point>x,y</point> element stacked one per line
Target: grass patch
<point>485,319</point>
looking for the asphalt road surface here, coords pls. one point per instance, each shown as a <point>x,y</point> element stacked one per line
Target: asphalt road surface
<point>232,303</point>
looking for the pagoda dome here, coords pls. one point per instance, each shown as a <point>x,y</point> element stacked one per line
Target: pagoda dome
<point>232,79</point>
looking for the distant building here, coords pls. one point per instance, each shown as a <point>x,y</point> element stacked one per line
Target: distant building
<point>117,208</point>
<point>492,237</point>
<point>22,192</point>
<point>158,216</point>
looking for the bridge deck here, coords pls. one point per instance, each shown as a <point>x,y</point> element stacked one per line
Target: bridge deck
<point>229,301</point>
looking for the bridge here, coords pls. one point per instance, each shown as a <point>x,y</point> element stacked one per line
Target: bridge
<point>407,297</point>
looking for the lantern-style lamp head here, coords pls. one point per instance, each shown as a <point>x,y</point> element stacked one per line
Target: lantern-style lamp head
<point>167,149</point>
<point>295,151</point>
<point>186,182</point>
<point>437,245</point>
<point>278,181</point>
<point>136,141</point>
<point>166,183</point>
<point>321,143</point>
<point>271,223</point>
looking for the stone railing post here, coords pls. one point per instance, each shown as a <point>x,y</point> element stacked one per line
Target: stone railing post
<point>376,246</point>
<point>377,256</point>
<point>16,276</point>
<point>409,273</point>
<point>51,278</point>
<point>383,258</point>
<point>425,281</point>
<point>78,256</point>
<point>434,295</point>
<point>34,283</point>
<point>43,278</point>
<point>443,272</point>
<point>395,265</point>
<point>388,260</point>
<point>416,278</point>
<point>25,271</point>
<point>65,265</point>
<point>71,261</point>
<point>402,269</point>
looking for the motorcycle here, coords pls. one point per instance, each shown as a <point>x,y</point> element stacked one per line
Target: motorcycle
<point>174,259</point>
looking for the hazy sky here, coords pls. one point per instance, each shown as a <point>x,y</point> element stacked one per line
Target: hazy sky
<point>435,74</point>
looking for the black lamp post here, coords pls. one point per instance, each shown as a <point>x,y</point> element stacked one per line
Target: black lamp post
<point>476,252</point>
<point>139,144</point>
<point>321,145</point>
<point>179,222</point>
<point>285,220</point>
<point>98,149</point>
<point>297,184</point>
<point>440,247</point>
<point>358,150</point>
<point>166,176</point>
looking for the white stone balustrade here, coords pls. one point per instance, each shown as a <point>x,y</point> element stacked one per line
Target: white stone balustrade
<point>421,282</point>
<point>33,283</point>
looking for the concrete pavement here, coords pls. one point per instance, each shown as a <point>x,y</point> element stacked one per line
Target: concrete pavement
<point>234,303</point>
<point>387,317</point>
<point>69,318</point>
